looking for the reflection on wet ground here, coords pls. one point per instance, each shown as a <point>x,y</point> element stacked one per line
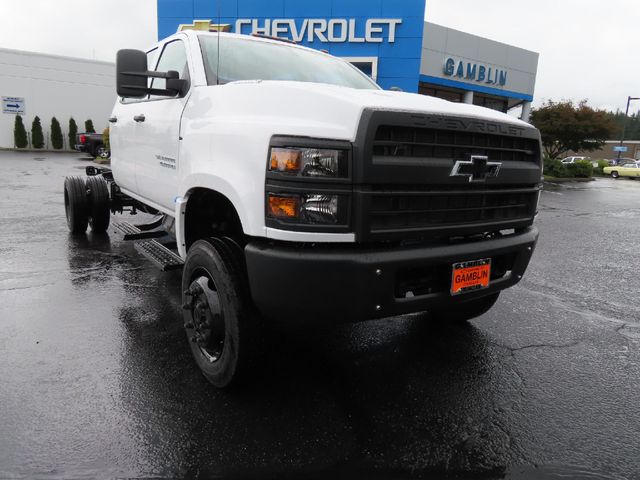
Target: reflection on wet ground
<point>97,377</point>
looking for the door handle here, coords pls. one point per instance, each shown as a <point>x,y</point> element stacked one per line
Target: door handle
<point>139,118</point>
<point>113,119</point>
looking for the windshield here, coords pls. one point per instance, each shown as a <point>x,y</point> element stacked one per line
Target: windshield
<point>244,59</point>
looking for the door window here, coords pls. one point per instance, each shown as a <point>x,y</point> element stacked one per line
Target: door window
<point>173,57</point>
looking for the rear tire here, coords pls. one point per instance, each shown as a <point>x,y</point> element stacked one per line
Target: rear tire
<point>76,204</point>
<point>614,174</point>
<point>99,208</point>
<point>464,311</point>
<point>221,325</point>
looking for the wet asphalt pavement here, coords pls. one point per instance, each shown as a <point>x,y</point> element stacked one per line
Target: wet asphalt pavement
<point>96,377</point>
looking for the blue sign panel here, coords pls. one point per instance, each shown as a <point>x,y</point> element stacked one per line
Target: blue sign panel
<point>621,149</point>
<point>383,37</point>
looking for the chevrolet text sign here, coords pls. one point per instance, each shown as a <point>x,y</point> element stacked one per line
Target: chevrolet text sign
<point>336,30</point>
<point>381,37</point>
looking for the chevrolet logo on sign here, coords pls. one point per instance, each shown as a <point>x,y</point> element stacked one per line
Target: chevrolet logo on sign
<point>478,168</point>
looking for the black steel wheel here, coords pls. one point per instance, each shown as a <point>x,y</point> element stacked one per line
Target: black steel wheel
<point>76,204</point>
<point>615,174</point>
<point>219,320</point>
<point>99,209</point>
<point>103,152</point>
<point>465,310</point>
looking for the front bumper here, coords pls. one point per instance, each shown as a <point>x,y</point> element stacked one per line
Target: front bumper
<point>315,285</point>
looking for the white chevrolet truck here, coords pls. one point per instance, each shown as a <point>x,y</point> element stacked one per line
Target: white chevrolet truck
<point>290,189</point>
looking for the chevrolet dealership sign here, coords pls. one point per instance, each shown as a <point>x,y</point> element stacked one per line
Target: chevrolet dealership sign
<point>382,37</point>
<point>335,30</point>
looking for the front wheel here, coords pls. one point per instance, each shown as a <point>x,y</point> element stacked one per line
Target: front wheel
<point>220,324</point>
<point>464,311</point>
<point>614,174</point>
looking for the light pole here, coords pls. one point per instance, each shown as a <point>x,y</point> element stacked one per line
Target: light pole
<point>624,125</point>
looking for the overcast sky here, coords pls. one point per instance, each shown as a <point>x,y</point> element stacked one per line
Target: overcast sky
<point>588,48</point>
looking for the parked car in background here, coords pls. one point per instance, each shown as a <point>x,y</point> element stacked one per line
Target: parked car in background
<point>92,144</point>
<point>627,170</point>
<point>574,159</point>
<point>621,161</point>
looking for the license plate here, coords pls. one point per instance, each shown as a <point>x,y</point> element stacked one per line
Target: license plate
<point>470,276</point>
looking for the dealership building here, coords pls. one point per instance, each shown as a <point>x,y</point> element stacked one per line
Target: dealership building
<point>47,86</point>
<point>387,39</point>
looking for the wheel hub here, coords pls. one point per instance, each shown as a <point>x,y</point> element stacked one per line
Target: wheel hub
<point>205,322</point>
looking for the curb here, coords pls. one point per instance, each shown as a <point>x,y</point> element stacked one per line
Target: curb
<point>568,180</point>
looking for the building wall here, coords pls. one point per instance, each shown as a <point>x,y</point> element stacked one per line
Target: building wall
<point>607,151</point>
<point>518,67</point>
<point>398,60</point>
<point>55,86</point>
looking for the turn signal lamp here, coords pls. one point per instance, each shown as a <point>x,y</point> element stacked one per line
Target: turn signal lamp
<point>285,160</point>
<point>283,207</point>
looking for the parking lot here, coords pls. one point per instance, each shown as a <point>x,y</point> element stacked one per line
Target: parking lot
<point>97,378</point>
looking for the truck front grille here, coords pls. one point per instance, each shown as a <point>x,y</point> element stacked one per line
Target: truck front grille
<point>452,210</point>
<point>400,141</point>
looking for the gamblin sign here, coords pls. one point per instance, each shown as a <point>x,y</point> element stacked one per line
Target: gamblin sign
<point>335,30</point>
<point>475,72</point>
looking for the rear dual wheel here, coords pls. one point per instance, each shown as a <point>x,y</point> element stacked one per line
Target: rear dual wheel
<point>86,202</point>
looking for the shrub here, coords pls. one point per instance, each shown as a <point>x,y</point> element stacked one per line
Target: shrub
<point>581,169</point>
<point>599,170</point>
<point>105,138</point>
<point>37,137</point>
<point>88,126</point>
<point>56,134</point>
<point>20,133</point>
<point>555,168</point>
<point>73,131</point>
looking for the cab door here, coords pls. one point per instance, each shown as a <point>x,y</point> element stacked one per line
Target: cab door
<point>157,128</point>
<point>126,145</point>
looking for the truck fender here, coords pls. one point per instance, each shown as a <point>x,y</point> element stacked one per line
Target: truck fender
<point>217,185</point>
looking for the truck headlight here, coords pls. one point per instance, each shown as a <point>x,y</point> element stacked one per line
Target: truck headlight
<point>309,162</point>
<point>311,209</point>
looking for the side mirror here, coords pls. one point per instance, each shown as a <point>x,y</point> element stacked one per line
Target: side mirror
<point>177,85</point>
<point>132,77</point>
<point>131,67</point>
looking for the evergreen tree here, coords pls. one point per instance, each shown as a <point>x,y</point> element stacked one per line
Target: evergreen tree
<point>20,133</point>
<point>88,126</point>
<point>37,137</point>
<point>56,134</point>
<point>73,131</point>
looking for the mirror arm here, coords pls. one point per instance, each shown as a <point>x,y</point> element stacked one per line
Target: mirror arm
<point>168,75</point>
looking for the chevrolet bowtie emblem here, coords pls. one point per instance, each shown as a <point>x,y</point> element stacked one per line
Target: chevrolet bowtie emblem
<point>205,26</point>
<point>478,168</point>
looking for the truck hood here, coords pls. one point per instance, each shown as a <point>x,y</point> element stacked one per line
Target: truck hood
<point>311,109</point>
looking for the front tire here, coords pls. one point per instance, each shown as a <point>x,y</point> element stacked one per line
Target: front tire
<point>220,323</point>
<point>615,174</point>
<point>464,311</point>
<point>76,204</point>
